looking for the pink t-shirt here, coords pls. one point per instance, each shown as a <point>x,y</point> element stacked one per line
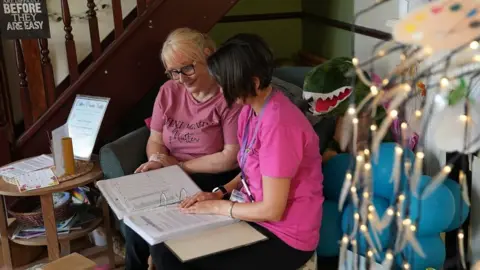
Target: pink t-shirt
<point>287,147</point>
<point>190,128</point>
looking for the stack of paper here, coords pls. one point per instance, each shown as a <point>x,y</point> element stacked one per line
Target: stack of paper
<point>29,174</point>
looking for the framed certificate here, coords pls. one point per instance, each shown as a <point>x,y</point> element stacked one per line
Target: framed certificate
<point>84,122</point>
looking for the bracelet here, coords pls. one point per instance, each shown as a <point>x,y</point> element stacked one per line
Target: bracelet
<point>155,157</point>
<point>230,210</point>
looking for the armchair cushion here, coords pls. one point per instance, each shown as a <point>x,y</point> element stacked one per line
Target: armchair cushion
<point>124,155</point>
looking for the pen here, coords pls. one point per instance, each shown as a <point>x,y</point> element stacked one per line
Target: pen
<point>245,185</point>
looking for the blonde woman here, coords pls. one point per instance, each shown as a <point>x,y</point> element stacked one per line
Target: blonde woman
<point>192,126</point>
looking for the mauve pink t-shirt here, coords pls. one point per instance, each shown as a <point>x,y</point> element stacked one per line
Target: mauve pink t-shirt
<point>192,129</point>
<point>287,147</point>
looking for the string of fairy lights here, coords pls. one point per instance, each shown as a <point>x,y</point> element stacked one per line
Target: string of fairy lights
<point>439,77</point>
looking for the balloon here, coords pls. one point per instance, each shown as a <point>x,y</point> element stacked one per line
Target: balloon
<point>436,212</point>
<point>331,231</point>
<point>455,189</point>
<point>434,250</point>
<point>334,171</point>
<point>382,167</point>
<point>381,206</point>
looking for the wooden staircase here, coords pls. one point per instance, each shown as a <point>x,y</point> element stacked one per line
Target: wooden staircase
<point>124,69</point>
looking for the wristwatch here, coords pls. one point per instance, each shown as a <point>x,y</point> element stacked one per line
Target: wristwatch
<point>222,189</point>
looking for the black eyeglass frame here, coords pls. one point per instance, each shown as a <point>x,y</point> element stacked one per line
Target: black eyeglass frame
<point>181,71</point>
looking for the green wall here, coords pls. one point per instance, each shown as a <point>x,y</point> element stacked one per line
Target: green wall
<point>323,40</point>
<point>289,36</point>
<point>284,36</point>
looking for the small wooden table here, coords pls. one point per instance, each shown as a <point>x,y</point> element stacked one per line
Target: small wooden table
<point>52,240</point>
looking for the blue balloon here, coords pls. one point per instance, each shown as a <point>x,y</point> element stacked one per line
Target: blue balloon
<point>331,230</point>
<point>435,212</point>
<point>384,236</point>
<point>334,171</point>
<point>434,250</point>
<point>382,167</point>
<point>459,212</point>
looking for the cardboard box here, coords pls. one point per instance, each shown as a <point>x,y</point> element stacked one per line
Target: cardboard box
<point>73,261</point>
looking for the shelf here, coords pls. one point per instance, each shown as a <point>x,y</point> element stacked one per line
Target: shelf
<point>42,240</point>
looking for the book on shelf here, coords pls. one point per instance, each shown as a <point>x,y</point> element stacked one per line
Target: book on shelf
<point>148,203</point>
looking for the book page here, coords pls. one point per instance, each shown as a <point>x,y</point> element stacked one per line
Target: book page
<point>144,191</point>
<point>167,222</point>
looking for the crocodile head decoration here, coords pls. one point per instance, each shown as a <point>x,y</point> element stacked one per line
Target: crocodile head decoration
<point>328,86</point>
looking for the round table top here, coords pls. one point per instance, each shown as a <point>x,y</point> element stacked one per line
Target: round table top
<point>96,173</point>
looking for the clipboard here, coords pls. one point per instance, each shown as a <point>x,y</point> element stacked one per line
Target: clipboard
<point>213,241</point>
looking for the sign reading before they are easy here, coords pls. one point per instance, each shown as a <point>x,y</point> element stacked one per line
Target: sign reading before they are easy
<point>24,19</point>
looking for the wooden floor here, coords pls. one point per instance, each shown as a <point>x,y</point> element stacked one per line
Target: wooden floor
<point>82,246</point>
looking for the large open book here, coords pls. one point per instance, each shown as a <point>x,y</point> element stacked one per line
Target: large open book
<point>137,193</point>
<point>148,204</point>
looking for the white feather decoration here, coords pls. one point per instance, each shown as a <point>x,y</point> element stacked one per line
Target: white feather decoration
<point>410,237</point>
<point>417,172</point>
<point>463,185</point>
<point>344,192</point>
<point>387,262</point>
<point>461,248</point>
<point>386,218</point>
<point>395,178</point>
<point>343,251</point>
<point>436,181</point>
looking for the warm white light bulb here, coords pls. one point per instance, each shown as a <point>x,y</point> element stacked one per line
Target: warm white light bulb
<point>385,82</point>
<point>345,239</point>
<point>413,228</point>
<point>447,169</point>
<point>370,253</point>
<point>367,166</point>
<point>444,82</point>
<point>389,255</point>
<point>356,216</point>
<point>355,61</point>
<point>474,45</point>
<point>353,189</point>
<point>349,176</point>
<point>401,197</point>
<point>407,222</point>
<point>351,110</point>
<point>390,211</point>
<point>366,152</point>
<point>359,158</point>
<point>371,208</point>
<point>418,113</point>
<point>463,118</point>
<point>407,87</point>
<point>398,150</point>
<point>365,195</point>
<point>403,125</point>
<point>393,113</point>
<point>355,120</point>
<point>363,228</point>
<point>460,235</point>
<point>373,127</point>
<point>406,266</point>
<point>373,90</point>
<point>428,50</point>
<point>381,53</point>
<point>476,58</point>
<point>420,155</point>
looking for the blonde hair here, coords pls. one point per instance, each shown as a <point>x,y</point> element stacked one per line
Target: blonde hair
<point>187,42</point>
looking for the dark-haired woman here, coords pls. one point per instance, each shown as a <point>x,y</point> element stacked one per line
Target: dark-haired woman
<point>280,163</point>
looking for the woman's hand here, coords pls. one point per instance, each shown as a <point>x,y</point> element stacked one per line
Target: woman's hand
<point>199,197</point>
<point>148,166</point>
<point>209,207</point>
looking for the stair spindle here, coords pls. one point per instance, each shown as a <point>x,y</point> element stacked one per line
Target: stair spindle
<point>141,6</point>
<point>24,94</point>
<point>47,70</point>
<point>94,32</point>
<point>70,43</point>
<point>117,17</point>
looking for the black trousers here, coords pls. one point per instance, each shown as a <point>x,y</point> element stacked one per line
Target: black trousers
<point>269,254</point>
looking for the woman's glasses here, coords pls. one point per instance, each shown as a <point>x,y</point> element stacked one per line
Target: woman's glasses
<point>188,70</point>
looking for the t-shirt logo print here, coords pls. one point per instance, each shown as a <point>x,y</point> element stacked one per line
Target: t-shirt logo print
<point>185,132</point>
